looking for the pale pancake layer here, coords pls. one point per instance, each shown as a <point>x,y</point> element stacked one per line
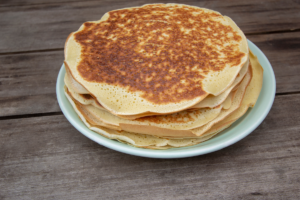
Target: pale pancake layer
<point>140,140</point>
<point>250,97</point>
<point>136,60</point>
<point>73,84</point>
<point>235,105</point>
<point>183,120</point>
<point>213,101</point>
<point>85,99</point>
<point>228,101</point>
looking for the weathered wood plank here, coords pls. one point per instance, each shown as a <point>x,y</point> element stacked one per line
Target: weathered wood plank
<point>27,81</point>
<point>46,26</point>
<point>46,158</point>
<point>6,3</point>
<point>283,52</point>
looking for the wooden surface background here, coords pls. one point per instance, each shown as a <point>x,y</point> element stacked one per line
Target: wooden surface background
<point>43,157</point>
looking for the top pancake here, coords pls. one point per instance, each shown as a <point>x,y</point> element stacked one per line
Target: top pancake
<point>159,58</point>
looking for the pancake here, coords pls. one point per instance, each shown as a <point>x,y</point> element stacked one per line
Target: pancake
<point>249,99</point>
<point>73,84</point>
<point>196,131</point>
<point>183,120</point>
<point>228,101</point>
<point>213,101</point>
<point>141,140</point>
<point>182,124</point>
<point>136,60</point>
<point>81,95</point>
<point>85,99</point>
<point>256,83</point>
<point>209,102</point>
<point>236,103</point>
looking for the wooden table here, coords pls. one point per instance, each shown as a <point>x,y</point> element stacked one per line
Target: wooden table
<point>42,156</point>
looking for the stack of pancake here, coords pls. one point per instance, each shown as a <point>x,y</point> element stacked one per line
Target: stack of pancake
<point>161,75</point>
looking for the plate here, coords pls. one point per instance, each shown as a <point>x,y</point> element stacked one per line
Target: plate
<point>237,131</point>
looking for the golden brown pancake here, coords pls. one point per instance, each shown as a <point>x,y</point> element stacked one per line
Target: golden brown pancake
<point>182,124</point>
<point>160,58</point>
<point>153,142</point>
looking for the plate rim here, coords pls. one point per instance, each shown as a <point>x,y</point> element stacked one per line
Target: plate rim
<point>181,152</point>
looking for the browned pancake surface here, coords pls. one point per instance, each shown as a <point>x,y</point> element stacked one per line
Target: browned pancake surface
<point>163,52</point>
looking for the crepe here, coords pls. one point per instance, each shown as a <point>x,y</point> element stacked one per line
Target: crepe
<point>250,97</point>
<point>183,120</point>
<point>140,140</point>
<point>144,129</point>
<point>209,102</point>
<point>153,142</point>
<point>213,101</point>
<point>136,61</point>
<point>182,124</point>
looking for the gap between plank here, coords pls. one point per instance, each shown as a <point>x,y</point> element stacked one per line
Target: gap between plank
<point>275,32</point>
<point>286,93</point>
<point>30,115</point>
<point>32,51</point>
<point>47,3</point>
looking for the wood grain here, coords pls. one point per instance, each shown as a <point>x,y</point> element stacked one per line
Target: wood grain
<point>11,3</point>
<point>47,25</point>
<point>42,156</point>
<point>27,83</point>
<point>46,158</point>
<point>283,52</point>
<point>27,80</point>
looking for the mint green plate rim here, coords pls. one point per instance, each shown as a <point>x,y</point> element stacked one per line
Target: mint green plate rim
<point>237,131</point>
